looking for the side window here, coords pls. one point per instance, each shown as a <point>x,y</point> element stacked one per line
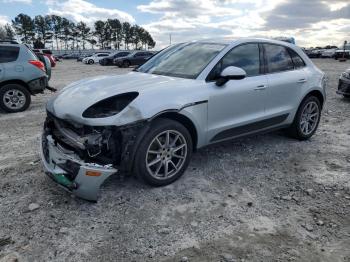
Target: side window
<point>8,54</point>
<point>138,54</point>
<point>297,60</point>
<point>245,56</point>
<point>278,58</point>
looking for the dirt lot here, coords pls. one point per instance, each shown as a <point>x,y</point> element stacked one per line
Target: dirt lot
<point>264,198</point>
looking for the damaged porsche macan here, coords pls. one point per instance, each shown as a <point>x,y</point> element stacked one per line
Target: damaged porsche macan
<point>190,95</point>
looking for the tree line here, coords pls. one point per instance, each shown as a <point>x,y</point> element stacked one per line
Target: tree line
<point>60,33</point>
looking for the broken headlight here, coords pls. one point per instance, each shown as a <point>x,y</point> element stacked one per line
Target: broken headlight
<point>110,106</point>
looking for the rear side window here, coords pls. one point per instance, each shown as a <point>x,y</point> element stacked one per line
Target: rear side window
<point>297,60</point>
<point>8,54</point>
<point>278,58</point>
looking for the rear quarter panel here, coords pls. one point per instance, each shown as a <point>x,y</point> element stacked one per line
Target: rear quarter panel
<point>21,69</point>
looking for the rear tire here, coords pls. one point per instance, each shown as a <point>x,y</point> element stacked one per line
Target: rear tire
<point>164,153</point>
<point>306,119</point>
<point>346,96</point>
<point>14,98</point>
<point>126,64</point>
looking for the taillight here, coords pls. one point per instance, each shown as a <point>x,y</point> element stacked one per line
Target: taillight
<point>38,64</point>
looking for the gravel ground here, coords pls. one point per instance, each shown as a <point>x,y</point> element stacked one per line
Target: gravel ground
<point>264,198</point>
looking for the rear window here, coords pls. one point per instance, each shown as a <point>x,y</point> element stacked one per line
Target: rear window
<point>8,54</point>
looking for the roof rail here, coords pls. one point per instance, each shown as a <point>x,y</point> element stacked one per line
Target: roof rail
<point>9,42</point>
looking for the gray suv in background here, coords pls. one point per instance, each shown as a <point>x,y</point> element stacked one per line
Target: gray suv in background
<point>22,74</point>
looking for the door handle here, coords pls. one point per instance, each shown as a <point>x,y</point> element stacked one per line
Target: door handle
<point>303,80</point>
<point>261,87</point>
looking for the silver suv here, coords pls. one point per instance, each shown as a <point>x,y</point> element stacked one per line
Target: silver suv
<point>22,74</point>
<point>190,95</point>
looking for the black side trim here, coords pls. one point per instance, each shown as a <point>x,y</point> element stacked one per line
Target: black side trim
<point>194,104</point>
<point>240,130</point>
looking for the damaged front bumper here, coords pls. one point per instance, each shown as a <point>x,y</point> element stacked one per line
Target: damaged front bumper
<point>80,158</point>
<point>69,171</point>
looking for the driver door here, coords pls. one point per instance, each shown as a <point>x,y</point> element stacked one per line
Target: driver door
<point>237,107</point>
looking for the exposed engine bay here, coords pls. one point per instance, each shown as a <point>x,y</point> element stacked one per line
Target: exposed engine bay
<point>103,145</point>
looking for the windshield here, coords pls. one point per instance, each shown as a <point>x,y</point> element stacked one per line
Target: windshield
<point>185,60</point>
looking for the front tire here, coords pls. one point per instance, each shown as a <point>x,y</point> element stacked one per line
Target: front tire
<point>346,96</point>
<point>164,153</point>
<point>91,62</point>
<point>306,119</point>
<point>14,98</point>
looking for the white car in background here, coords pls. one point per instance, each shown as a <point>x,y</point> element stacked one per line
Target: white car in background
<point>95,58</point>
<point>328,53</point>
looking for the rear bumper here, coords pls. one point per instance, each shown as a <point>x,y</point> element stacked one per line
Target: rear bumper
<point>70,172</point>
<point>344,86</point>
<point>38,85</point>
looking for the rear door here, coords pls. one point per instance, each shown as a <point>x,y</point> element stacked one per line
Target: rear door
<point>285,80</point>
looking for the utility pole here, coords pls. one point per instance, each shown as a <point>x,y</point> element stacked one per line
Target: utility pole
<point>170,38</point>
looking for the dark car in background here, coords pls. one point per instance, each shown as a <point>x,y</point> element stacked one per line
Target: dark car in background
<point>134,59</point>
<point>109,60</point>
<point>69,56</point>
<point>341,53</point>
<point>344,84</point>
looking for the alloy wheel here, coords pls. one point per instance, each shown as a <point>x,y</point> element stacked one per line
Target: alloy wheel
<point>166,154</point>
<point>14,99</point>
<point>309,118</point>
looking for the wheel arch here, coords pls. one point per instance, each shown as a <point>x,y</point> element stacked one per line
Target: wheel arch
<point>184,120</point>
<point>316,93</point>
<point>16,81</point>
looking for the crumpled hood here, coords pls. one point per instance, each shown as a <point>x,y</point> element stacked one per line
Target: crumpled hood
<point>73,100</point>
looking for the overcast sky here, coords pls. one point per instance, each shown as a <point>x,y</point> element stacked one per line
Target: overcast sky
<point>311,22</point>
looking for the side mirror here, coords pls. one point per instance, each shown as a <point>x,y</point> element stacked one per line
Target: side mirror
<point>230,73</point>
